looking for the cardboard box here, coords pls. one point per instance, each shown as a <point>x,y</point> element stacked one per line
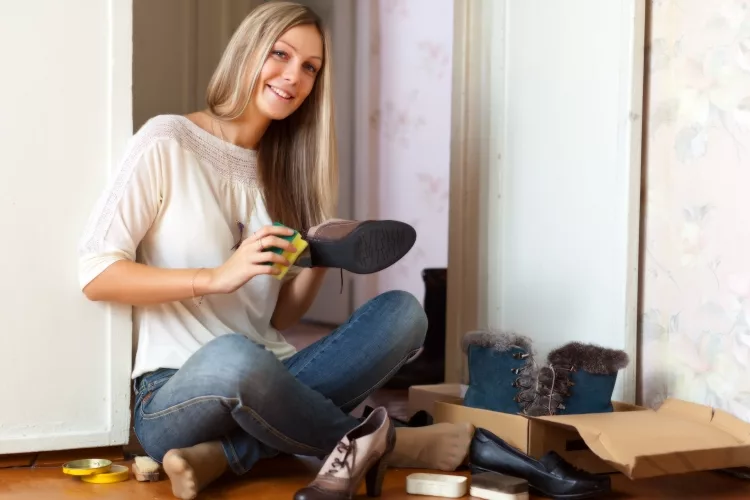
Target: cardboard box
<point>423,397</point>
<point>677,438</point>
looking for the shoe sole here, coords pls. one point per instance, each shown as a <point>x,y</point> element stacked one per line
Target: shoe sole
<point>370,248</point>
<point>536,491</point>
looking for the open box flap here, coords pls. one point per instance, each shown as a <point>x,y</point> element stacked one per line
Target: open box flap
<point>707,415</point>
<point>676,438</point>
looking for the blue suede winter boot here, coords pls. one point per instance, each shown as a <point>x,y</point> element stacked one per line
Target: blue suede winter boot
<point>578,378</point>
<point>501,372</point>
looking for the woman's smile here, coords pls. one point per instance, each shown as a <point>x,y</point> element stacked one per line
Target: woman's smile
<point>281,93</point>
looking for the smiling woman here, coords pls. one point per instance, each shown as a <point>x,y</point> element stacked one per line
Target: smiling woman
<point>282,95</point>
<point>184,233</point>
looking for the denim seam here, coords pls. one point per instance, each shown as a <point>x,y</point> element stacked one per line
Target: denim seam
<point>178,406</point>
<point>384,378</point>
<point>172,409</point>
<point>234,459</point>
<point>138,437</point>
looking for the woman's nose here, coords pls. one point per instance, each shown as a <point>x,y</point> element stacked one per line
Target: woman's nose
<point>291,73</point>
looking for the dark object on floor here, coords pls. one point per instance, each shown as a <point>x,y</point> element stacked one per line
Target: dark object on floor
<point>429,367</point>
<point>550,476</point>
<point>419,419</point>
<point>502,373</point>
<point>738,472</point>
<point>362,454</point>
<point>578,378</point>
<point>360,247</point>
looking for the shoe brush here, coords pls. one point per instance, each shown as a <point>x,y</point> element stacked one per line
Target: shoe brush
<point>496,486</point>
<point>145,469</point>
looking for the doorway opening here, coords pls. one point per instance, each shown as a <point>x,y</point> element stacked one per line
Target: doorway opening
<point>393,125</point>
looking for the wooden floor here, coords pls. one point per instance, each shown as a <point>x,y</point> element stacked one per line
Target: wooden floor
<point>279,478</point>
<point>39,476</point>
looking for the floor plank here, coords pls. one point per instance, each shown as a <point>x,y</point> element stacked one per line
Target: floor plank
<point>17,460</point>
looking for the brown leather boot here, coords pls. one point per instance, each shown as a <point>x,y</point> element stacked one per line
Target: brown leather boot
<point>362,454</point>
<point>360,247</point>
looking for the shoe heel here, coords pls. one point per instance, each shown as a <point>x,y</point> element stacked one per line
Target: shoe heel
<point>375,476</point>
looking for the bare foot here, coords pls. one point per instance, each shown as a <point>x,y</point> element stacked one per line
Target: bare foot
<point>440,446</point>
<point>192,469</point>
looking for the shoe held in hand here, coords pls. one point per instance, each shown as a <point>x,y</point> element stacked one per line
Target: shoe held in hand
<point>360,247</point>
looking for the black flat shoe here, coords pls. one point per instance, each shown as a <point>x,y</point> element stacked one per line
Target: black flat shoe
<point>551,476</point>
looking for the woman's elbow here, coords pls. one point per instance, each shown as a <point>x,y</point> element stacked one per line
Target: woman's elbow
<point>92,293</point>
<point>280,323</point>
<point>99,286</point>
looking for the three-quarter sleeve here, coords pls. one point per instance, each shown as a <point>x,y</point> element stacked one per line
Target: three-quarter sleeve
<point>125,210</point>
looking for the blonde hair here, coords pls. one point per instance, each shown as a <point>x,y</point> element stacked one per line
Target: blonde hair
<point>297,161</point>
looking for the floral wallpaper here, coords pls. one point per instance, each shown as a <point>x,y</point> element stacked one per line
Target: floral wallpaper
<point>695,319</point>
<point>412,62</point>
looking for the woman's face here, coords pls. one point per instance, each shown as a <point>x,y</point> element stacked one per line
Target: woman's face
<point>288,75</point>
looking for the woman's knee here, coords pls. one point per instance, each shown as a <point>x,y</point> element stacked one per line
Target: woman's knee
<point>233,347</point>
<point>408,321</point>
<point>237,361</point>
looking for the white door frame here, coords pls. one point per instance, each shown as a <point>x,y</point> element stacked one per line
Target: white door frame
<point>105,411</point>
<point>366,99</point>
<point>469,146</point>
<point>477,164</point>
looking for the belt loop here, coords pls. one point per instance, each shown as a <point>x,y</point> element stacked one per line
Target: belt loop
<point>142,382</point>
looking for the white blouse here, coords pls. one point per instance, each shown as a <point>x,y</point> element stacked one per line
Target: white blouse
<point>174,202</point>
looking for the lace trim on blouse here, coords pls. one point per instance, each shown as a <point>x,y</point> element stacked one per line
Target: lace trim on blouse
<point>233,163</point>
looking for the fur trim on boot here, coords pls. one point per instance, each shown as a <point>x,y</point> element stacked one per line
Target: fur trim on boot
<point>499,341</point>
<point>555,380</point>
<point>526,380</point>
<point>589,358</point>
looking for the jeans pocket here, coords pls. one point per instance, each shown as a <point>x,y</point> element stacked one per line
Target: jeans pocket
<point>150,385</point>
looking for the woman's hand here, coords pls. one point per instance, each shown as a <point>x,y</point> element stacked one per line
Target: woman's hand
<point>251,259</point>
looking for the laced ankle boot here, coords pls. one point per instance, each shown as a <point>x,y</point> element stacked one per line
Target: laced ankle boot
<point>578,378</point>
<point>502,373</point>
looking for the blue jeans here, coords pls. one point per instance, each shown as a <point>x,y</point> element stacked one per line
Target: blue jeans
<point>235,391</point>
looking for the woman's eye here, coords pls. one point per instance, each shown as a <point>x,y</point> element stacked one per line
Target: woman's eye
<point>311,68</point>
<point>279,53</point>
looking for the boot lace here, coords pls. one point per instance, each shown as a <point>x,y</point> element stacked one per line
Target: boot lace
<point>339,463</point>
<point>525,374</point>
<point>553,403</point>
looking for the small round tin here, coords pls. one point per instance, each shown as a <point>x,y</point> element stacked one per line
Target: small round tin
<point>116,474</point>
<point>87,466</point>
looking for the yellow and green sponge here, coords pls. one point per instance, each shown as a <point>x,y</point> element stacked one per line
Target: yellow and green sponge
<point>299,244</point>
